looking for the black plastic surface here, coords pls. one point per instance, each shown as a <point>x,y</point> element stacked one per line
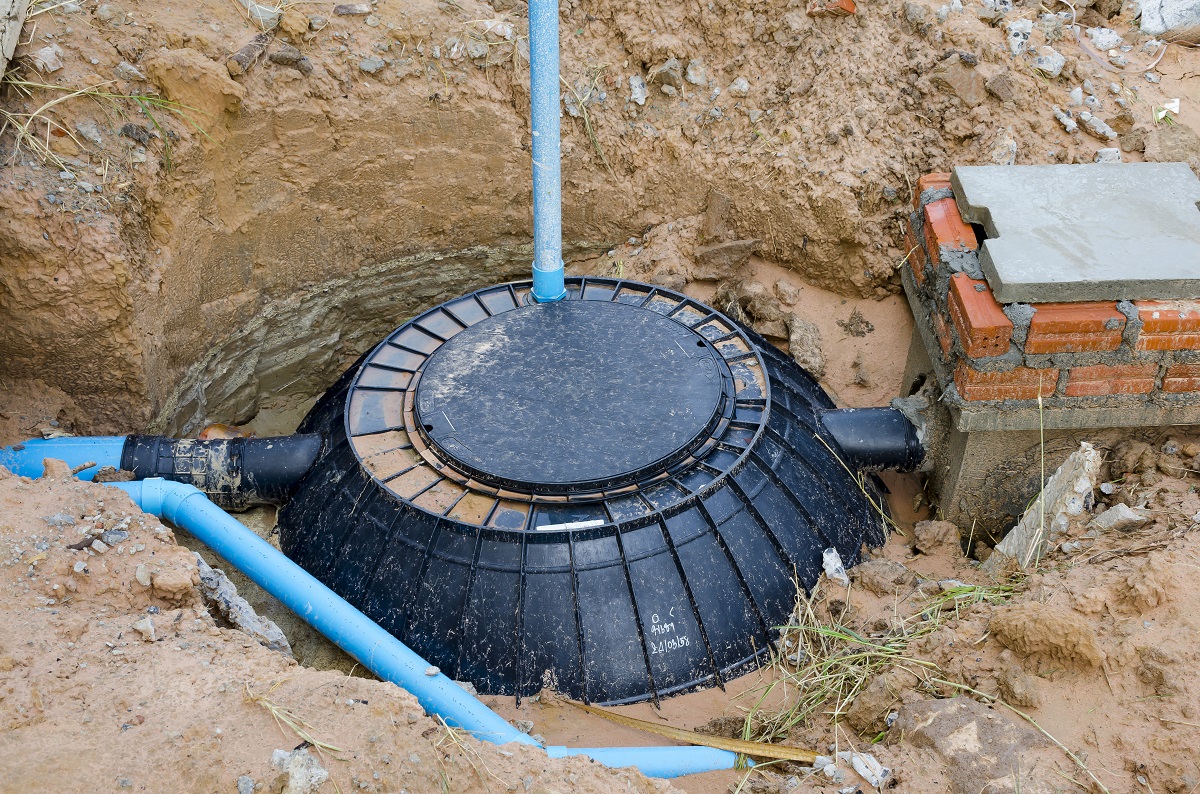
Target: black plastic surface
<point>235,473</point>
<point>671,582</point>
<point>875,438</point>
<point>558,397</point>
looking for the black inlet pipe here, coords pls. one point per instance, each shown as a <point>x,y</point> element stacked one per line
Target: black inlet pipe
<point>874,438</point>
<point>235,473</point>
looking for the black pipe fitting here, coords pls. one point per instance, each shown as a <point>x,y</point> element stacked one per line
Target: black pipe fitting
<point>875,438</point>
<point>235,473</point>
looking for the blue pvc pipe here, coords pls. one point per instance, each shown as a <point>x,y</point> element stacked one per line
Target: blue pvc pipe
<point>544,93</point>
<point>381,653</point>
<point>26,458</point>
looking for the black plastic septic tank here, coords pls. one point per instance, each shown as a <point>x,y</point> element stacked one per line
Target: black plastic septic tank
<point>614,495</point>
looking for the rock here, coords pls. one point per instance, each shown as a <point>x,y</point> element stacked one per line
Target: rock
<point>1049,61</point>
<point>135,133</point>
<point>1075,97</point>
<point>1112,155</point>
<point>47,59</point>
<point>1180,18</point>
<point>1067,494</point>
<point>917,15</point>
<point>1001,86</point>
<point>884,578</point>
<point>714,223</point>
<point>1003,150</point>
<point>245,785</point>
<point>142,574</point>
<point>293,22</point>
<point>960,79</point>
<point>938,537</point>
<point>99,546</point>
<point>1173,143</point>
<point>637,89</point>
<point>787,294</point>
<point>60,520</point>
<point>1018,688</point>
<point>317,22</point>
<point>145,627</point>
<point>1064,118</point>
<point>221,595</point>
<point>110,15</point>
<point>1105,39</point>
<point>89,131</point>
<point>1119,518</point>
<point>302,773</point>
<point>371,65</point>
<point>127,71</point>
<point>719,261</point>
<point>669,74</point>
<point>804,343</point>
<point>247,55</point>
<point>290,56</point>
<point>983,749</point>
<point>869,711</point>
<point>1018,32</point>
<point>1048,633</point>
<point>1096,127</point>
<point>524,726</point>
<point>739,88</point>
<point>352,9</point>
<point>114,536</point>
<point>56,469</point>
<point>696,73</point>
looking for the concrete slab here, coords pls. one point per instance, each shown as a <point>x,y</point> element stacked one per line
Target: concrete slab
<point>1118,231</point>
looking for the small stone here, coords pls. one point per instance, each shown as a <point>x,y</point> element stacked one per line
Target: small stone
<point>468,687</point>
<point>114,536</point>
<point>1018,688</point>
<point>1096,127</point>
<point>1019,31</point>
<point>696,73</point>
<point>110,15</point>
<point>669,90</point>
<point>1092,103</point>
<point>127,71</point>
<point>60,520</point>
<point>245,785</point>
<point>1112,155</point>
<point>637,89</point>
<point>739,88</point>
<point>476,49</point>
<point>99,546</point>
<point>371,21</point>
<point>47,59</point>
<point>136,133</point>
<point>145,627</point>
<point>1075,97</point>
<point>432,670</point>
<point>79,567</point>
<point>938,537</point>
<point>1004,148</point>
<point>524,726</point>
<point>352,9</point>
<point>669,73</point>
<point>1000,85</point>
<point>1104,39</point>
<point>317,22</point>
<point>1064,118</point>
<point>371,65</point>
<point>142,574</point>
<point>804,343</point>
<point>1119,518</point>
<point>1050,62</point>
<point>1153,78</point>
<point>290,56</point>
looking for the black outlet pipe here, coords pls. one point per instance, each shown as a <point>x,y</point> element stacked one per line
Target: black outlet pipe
<point>235,473</point>
<point>875,438</point>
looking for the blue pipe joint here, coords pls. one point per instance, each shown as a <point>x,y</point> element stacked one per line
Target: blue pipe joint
<point>549,285</point>
<point>25,459</point>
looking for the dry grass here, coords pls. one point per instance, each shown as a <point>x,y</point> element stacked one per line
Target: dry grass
<point>286,718</point>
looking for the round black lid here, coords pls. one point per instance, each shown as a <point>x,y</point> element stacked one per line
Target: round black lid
<point>572,395</point>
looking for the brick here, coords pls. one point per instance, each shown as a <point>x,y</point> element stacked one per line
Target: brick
<point>1169,325</point>
<point>982,326</point>
<point>1017,384</point>
<point>936,181</point>
<point>1181,378</point>
<point>832,8</point>
<point>942,333</point>
<point>915,253</point>
<point>1099,380</point>
<point>1075,328</point>
<point>944,228</point>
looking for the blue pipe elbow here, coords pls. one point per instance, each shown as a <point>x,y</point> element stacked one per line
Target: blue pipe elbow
<point>25,459</point>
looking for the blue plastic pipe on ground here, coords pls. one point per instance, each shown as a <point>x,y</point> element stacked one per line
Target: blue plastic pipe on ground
<point>381,653</point>
<point>544,93</point>
<point>26,459</point>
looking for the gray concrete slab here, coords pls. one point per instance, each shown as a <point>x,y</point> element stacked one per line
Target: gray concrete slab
<point>1117,231</point>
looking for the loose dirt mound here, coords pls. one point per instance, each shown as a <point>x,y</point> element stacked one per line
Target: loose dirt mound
<point>114,676</point>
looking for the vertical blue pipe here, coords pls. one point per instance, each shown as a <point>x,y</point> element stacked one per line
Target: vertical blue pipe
<point>544,95</point>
